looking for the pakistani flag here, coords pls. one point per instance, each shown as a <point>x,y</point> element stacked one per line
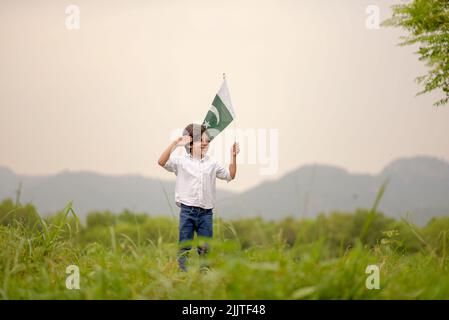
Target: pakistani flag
<point>221,112</point>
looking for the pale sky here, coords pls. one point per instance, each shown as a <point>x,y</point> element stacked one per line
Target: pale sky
<point>106,97</point>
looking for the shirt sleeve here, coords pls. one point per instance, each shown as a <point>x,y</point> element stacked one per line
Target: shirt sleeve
<point>172,164</point>
<point>223,173</point>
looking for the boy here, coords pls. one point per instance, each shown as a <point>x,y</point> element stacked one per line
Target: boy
<point>196,175</point>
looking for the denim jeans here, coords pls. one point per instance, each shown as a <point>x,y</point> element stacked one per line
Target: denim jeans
<point>191,220</point>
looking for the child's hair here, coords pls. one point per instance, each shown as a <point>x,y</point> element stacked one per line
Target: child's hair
<point>195,131</point>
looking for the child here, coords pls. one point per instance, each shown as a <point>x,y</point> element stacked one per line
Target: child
<point>196,174</point>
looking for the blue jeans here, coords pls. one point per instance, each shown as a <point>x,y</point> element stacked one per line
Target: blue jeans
<point>191,220</point>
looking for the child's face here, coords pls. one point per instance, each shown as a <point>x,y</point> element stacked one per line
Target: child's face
<point>201,147</point>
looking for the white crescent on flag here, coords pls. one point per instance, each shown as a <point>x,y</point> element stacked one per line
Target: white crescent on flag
<point>214,110</point>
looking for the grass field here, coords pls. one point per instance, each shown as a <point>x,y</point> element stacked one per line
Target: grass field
<point>133,256</point>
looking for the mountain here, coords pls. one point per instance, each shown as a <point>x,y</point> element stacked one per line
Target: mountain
<point>419,185</point>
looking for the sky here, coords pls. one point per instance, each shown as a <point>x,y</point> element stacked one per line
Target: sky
<point>108,97</point>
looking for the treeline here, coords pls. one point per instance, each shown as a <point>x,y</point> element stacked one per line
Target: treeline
<point>336,231</point>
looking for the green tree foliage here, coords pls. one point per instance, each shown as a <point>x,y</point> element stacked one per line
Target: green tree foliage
<point>338,231</point>
<point>427,22</point>
<point>437,234</point>
<point>100,219</point>
<point>11,212</point>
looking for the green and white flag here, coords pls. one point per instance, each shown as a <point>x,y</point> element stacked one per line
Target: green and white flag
<point>221,112</point>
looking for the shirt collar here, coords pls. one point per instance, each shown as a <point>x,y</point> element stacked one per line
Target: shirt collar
<point>206,157</point>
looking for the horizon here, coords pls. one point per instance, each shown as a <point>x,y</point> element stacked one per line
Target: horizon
<point>222,186</point>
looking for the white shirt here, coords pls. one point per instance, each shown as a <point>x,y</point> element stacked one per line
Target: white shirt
<point>195,179</point>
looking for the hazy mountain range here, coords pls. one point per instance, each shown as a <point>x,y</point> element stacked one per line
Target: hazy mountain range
<point>419,185</point>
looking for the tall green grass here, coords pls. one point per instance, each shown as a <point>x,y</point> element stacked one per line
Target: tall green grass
<point>133,256</point>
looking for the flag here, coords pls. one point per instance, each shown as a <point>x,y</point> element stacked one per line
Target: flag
<point>221,113</point>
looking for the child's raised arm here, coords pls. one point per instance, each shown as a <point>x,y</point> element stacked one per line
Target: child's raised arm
<point>181,141</point>
<point>233,166</point>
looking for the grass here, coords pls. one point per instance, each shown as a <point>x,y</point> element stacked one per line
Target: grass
<point>134,257</point>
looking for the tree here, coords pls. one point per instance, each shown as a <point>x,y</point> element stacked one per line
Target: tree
<point>427,22</point>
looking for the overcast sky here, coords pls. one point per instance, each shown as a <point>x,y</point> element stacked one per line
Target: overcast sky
<point>106,97</point>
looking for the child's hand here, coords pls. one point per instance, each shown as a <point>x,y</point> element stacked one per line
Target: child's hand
<point>235,149</point>
<point>182,141</point>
